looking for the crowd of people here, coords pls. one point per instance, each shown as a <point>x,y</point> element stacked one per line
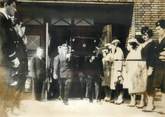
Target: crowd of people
<point>142,71</point>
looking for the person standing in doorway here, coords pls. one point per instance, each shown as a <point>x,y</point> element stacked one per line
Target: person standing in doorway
<point>63,71</point>
<point>39,73</point>
<point>93,74</point>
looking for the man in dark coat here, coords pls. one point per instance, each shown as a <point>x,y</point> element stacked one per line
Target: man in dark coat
<point>39,73</point>
<point>63,71</point>
<point>7,36</point>
<point>7,47</point>
<point>21,53</point>
<point>93,71</point>
<point>8,59</point>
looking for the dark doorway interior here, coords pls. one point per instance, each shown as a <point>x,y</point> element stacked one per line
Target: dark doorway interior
<point>82,40</point>
<point>116,13</point>
<point>75,36</point>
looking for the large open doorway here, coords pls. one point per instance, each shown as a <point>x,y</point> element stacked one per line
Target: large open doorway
<point>78,24</point>
<point>83,41</point>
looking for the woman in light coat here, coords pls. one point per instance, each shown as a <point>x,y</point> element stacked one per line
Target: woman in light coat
<point>136,72</point>
<point>116,58</point>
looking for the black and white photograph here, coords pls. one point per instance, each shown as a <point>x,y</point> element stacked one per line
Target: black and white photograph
<point>77,58</point>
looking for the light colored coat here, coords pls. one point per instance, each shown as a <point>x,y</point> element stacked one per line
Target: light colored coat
<point>136,72</point>
<point>117,57</point>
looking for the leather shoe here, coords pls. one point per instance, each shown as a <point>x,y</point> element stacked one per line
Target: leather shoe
<point>149,109</point>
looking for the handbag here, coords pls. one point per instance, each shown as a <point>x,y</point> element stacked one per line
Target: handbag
<point>119,83</point>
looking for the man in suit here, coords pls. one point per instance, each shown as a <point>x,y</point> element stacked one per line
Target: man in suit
<point>8,59</point>
<point>63,71</point>
<point>7,46</point>
<point>39,73</point>
<point>20,41</point>
<point>94,72</point>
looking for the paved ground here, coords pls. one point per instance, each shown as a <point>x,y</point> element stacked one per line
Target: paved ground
<point>78,108</point>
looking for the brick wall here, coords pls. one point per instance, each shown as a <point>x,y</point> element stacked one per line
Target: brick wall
<point>146,13</point>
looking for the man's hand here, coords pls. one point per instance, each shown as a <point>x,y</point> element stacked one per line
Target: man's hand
<point>162,55</point>
<point>15,62</point>
<point>149,71</point>
<point>55,76</point>
<point>68,55</point>
<point>120,79</point>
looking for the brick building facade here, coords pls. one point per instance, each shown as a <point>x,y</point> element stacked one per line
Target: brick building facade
<point>147,12</point>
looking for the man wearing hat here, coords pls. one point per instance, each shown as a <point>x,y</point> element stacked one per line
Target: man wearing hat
<point>158,66</point>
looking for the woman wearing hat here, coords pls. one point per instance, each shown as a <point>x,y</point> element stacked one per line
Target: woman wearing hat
<point>116,58</point>
<point>136,72</point>
<point>158,75</point>
<point>146,34</point>
<point>147,51</point>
